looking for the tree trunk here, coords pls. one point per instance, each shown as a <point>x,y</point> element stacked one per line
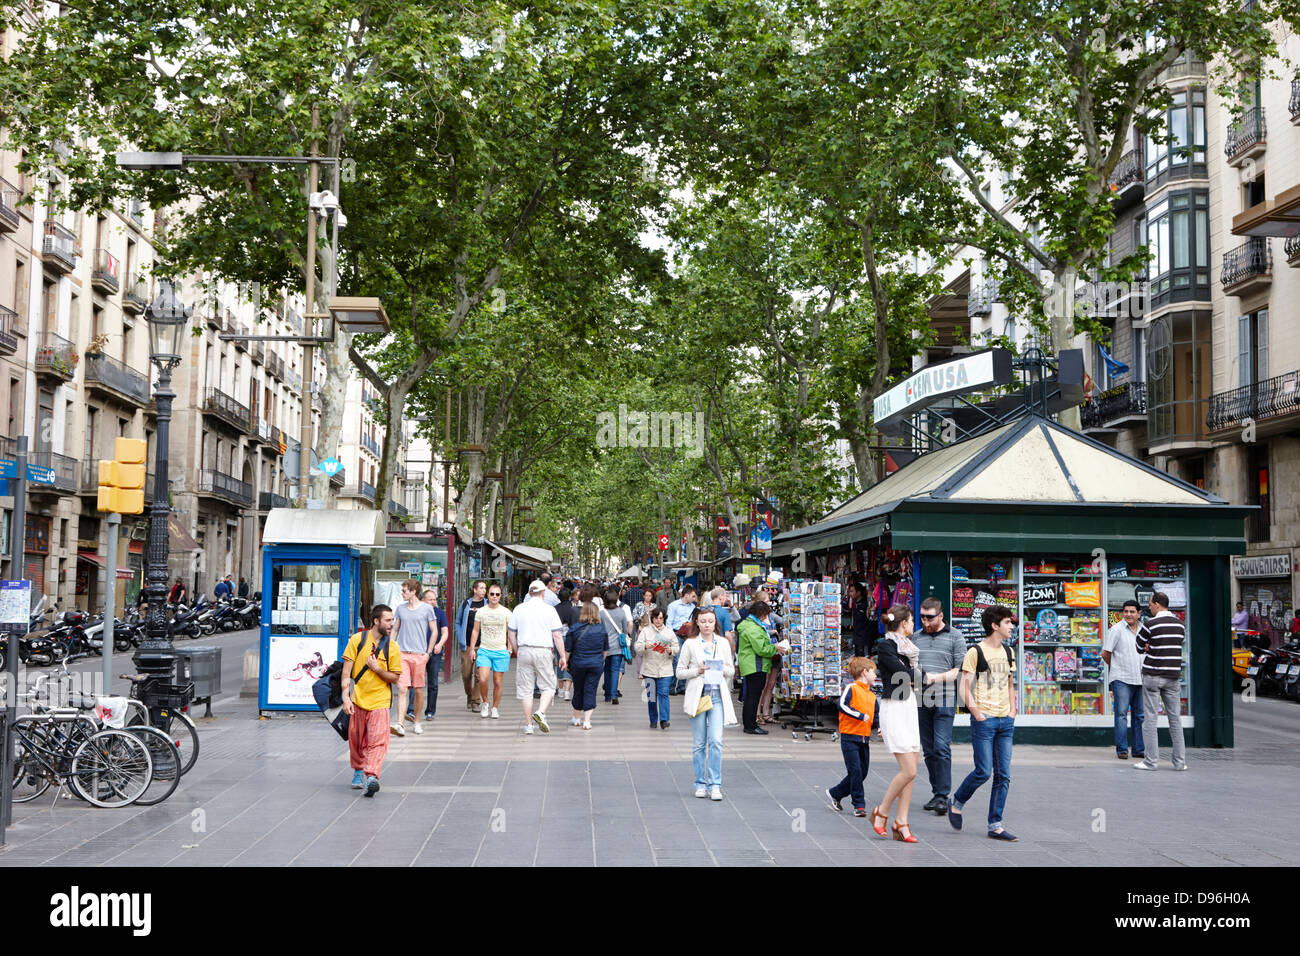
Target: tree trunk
<point>392,441</point>
<point>1062,326</point>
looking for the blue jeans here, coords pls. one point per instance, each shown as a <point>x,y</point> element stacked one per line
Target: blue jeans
<point>706,730</point>
<point>857,760</point>
<point>990,741</point>
<point>936,744</point>
<point>656,691</point>
<point>613,669</point>
<point>1128,699</point>
<point>676,686</point>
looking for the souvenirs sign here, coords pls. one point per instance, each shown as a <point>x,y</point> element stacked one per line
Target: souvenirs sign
<point>1042,594</point>
<point>969,373</point>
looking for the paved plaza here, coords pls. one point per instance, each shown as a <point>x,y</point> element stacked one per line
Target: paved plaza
<point>471,791</point>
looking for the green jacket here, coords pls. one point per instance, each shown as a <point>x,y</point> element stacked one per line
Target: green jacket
<point>754,647</point>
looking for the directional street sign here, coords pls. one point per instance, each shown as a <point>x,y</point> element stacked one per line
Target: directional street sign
<point>37,473</point>
<point>331,466</point>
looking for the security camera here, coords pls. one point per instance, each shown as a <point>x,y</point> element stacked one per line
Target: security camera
<point>324,201</point>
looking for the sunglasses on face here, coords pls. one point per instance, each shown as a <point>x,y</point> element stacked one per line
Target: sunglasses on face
<point>928,617</point>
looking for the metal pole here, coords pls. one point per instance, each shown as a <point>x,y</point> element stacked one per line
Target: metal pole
<point>446,464</point>
<point>110,598</point>
<point>308,350</point>
<point>156,654</point>
<point>17,537</point>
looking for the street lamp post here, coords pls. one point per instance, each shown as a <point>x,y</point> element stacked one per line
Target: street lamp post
<point>168,320</point>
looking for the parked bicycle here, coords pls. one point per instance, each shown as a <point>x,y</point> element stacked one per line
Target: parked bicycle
<point>163,708</point>
<point>105,767</point>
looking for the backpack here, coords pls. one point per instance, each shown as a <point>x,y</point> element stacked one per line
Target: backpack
<point>982,664</point>
<point>327,690</point>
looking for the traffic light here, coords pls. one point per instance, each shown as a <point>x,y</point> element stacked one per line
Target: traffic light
<point>121,481</point>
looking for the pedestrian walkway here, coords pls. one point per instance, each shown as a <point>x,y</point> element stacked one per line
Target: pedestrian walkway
<point>479,792</point>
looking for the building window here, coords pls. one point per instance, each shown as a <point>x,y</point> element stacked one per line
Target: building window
<point>1178,241</point>
<point>36,534</point>
<point>1178,350</point>
<point>1259,523</point>
<point>1180,148</point>
<point>1252,348</point>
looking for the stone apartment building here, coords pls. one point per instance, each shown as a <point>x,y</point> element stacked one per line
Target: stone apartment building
<point>1205,378</point>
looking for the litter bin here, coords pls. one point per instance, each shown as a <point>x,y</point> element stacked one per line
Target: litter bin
<point>201,666</point>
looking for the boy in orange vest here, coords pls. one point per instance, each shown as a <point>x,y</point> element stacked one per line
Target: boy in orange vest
<point>857,716</point>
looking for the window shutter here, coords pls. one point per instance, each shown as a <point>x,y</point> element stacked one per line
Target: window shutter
<point>1243,351</point>
<point>1261,347</point>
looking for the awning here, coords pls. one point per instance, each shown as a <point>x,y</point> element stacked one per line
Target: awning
<point>363,528</point>
<point>93,557</point>
<point>633,572</point>
<point>524,556</point>
<point>178,538</point>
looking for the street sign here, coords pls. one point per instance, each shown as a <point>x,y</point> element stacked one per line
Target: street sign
<point>331,466</point>
<point>40,474</point>
<point>8,468</point>
<point>663,542</point>
<point>15,605</point>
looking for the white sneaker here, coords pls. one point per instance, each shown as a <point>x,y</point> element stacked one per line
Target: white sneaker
<point>528,729</point>
<point>540,719</point>
<point>586,725</point>
<point>496,714</point>
<point>483,709</point>
<point>416,728</point>
<point>701,792</point>
<point>399,730</point>
<point>715,793</point>
<point>575,721</point>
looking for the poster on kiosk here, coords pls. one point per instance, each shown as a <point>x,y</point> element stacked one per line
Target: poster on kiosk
<point>317,577</point>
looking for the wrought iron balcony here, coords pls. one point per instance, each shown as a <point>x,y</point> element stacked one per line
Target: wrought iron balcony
<point>219,485</point>
<point>59,249</point>
<point>370,445</point>
<point>241,345</point>
<point>135,210</point>
<point>1247,137</point>
<point>109,375</point>
<point>1271,398</point>
<point>66,473</point>
<point>1129,171</point>
<point>10,196</point>
<point>277,440</point>
<point>136,298</point>
<point>395,508</point>
<point>360,490</point>
<point>1248,268</point>
<point>221,406</point>
<point>267,500</point>
<point>8,323</point>
<point>106,273</point>
<point>1295,100</point>
<point>980,298</point>
<point>1292,249</point>
<point>258,352</point>
<point>56,356</point>
<point>1122,405</point>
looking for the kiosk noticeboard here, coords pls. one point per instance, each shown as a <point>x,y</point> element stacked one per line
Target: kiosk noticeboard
<point>315,571</point>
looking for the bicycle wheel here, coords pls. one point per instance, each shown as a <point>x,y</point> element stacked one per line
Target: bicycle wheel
<point>180,728</point>
<point>166,765</point>
<point>31,779</point>
<point>111,769</point>
<point>137,714</point>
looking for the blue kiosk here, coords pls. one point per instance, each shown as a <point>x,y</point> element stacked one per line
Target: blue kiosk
<point>317,579</point>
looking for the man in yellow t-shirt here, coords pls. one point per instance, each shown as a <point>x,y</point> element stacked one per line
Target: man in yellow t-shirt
<point>988,690</point>
<point>367,696</point>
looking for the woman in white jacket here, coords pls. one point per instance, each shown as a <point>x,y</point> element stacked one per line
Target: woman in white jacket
<point>707,667</point>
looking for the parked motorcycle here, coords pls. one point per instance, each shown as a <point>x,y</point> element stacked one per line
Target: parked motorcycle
<point>185,621</point>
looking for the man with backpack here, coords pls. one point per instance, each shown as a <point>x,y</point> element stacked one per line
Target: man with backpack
<point>367,695</point>
<point>988,690</point>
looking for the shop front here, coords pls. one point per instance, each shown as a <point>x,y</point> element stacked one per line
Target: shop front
<point>1061,529</point>
<point>1264,583</point>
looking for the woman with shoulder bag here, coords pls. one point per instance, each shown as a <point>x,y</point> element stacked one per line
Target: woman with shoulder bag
<point>657,645</point>
<point>706,666</point>
<point>584,645</point>
<point>899,723</point>
<point>618,629</point>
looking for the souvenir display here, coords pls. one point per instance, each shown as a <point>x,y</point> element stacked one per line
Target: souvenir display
<point>815,661</point>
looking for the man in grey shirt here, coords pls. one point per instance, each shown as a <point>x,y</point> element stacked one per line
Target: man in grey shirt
<point>416,630</point>
<point>941,652</point>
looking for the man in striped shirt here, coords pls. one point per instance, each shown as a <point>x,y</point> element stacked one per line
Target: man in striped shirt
<point>1161,638</point>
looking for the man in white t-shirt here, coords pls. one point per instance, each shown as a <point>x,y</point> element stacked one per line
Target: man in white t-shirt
<point>552,593</point>
<point>535,629</point>
<point>1119,651</point>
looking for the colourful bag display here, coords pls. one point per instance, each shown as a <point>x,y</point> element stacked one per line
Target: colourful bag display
<point>1082,593</point>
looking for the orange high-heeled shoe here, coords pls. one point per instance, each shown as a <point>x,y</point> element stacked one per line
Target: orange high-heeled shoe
<point>898,834</point>
<point>879,828</point>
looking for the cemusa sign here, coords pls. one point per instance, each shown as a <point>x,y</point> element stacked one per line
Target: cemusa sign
<point>970,373</point>
<point>1262,566</point>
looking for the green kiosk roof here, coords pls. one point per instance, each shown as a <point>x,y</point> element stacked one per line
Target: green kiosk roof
<point>1029,486</point>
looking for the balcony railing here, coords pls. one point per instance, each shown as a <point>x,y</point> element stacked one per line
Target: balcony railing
<point>360,490</point>
<point>1126,401</point>
<point>8,323</point>
<point>1268,399</point>
<point>218,403</point>
<point>1247,262</point>
<point>1129,170</point>
<point>294,381</point>
<point>1292,249</point>
<point>258,352</point>
<point>277,439</point>
<point>370,445</point>
<point>397,509</point>
<point>56,355</point>
<point>1245,134</point>
<point>59,250</point>
<point>66,472</point>
<point>980,298</point>
<point>295,321</point>
<point>136,298</point>
<point>118,378</point>
<point>10,196</point>
<point>1295,100</point>
<point>106,274</point>
<point>224,486</point>
<point>135,209</point>
<point>266,500</point>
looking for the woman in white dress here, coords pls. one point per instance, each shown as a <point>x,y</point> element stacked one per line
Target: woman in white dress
<point>897,659</point>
